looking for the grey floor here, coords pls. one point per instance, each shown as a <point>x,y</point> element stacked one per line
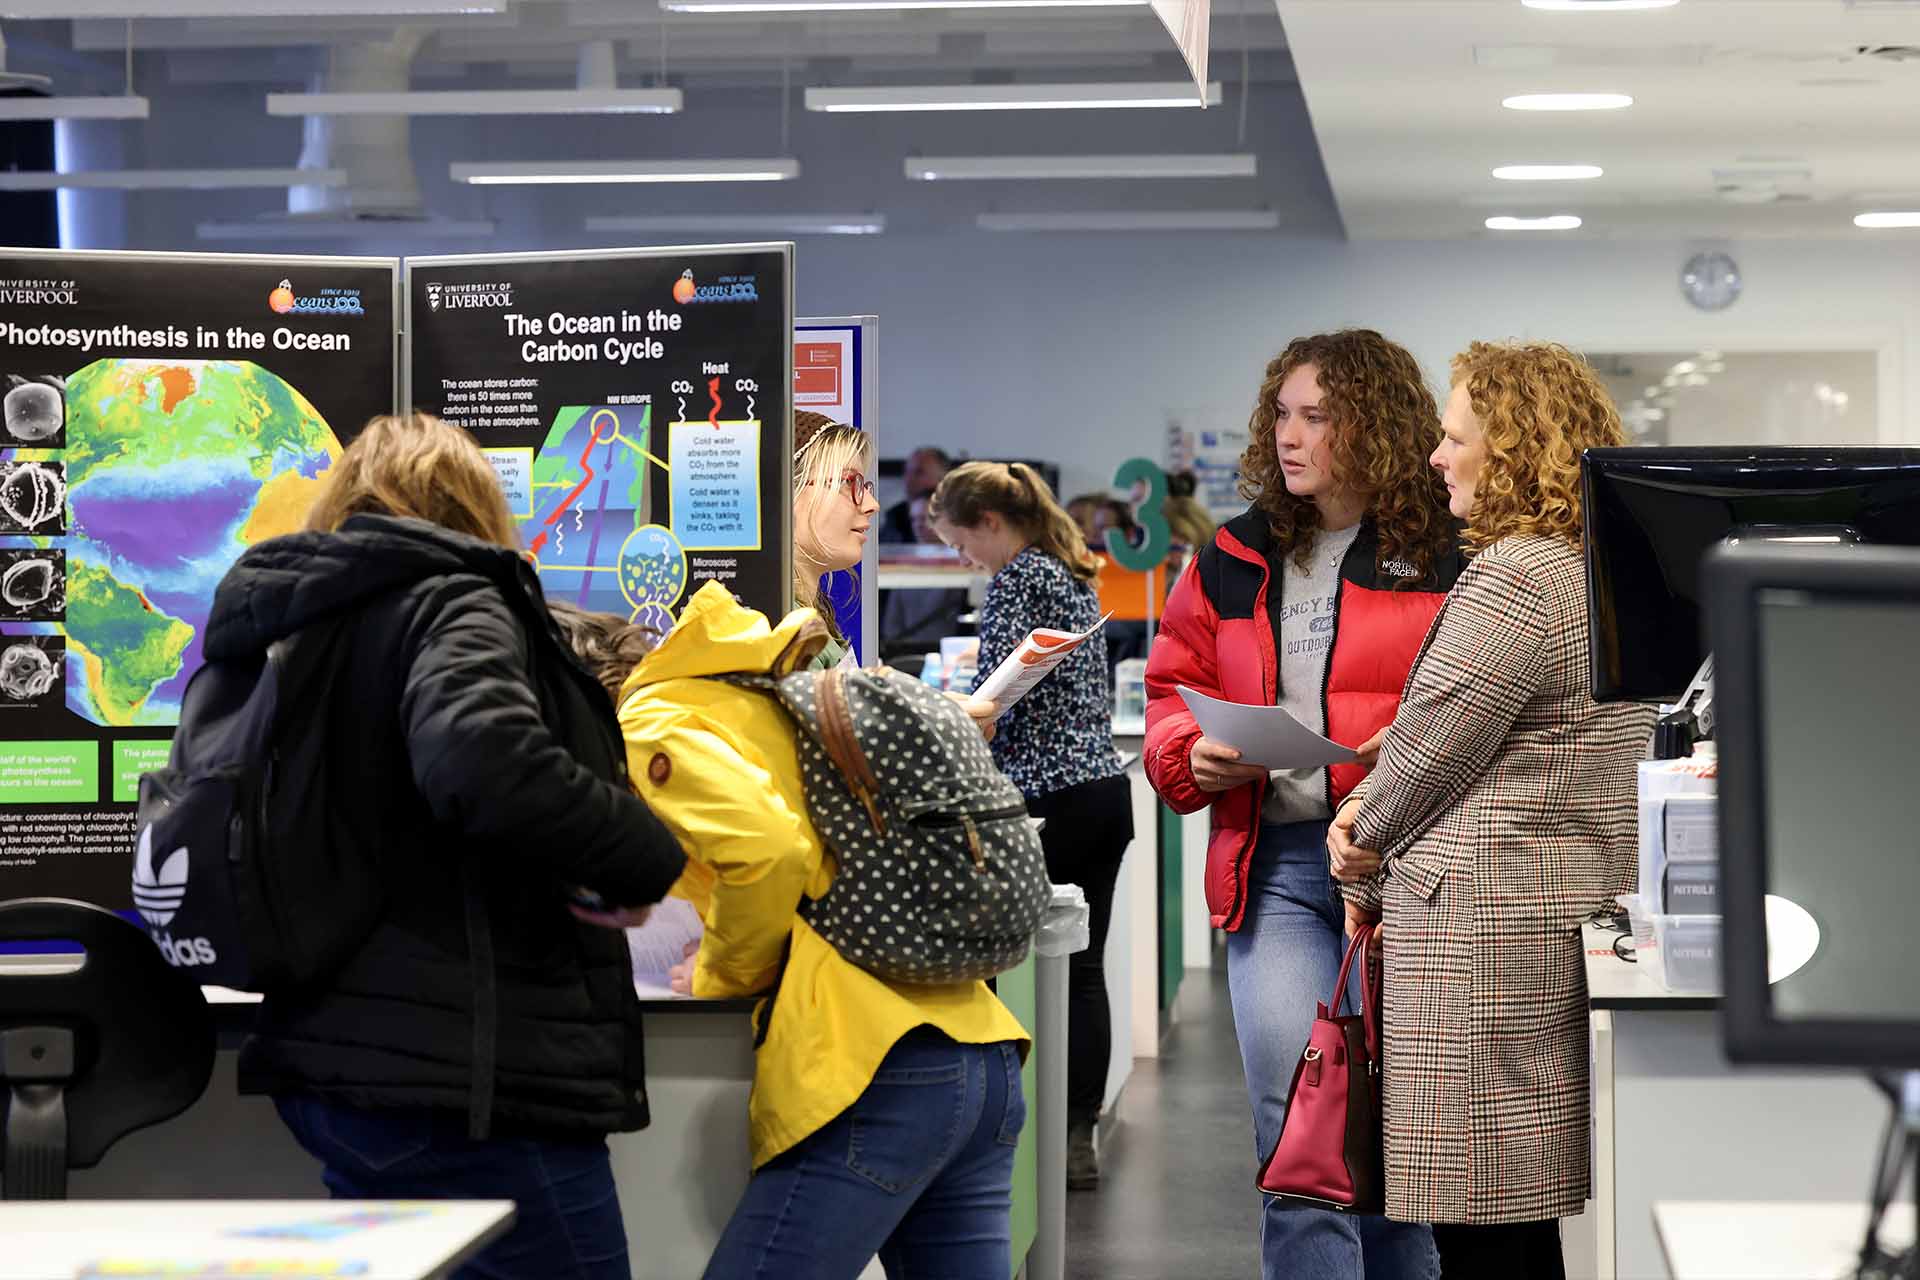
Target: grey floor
<point>1176,1199</point>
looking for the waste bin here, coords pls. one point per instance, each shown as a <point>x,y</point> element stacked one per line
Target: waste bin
<point>1063,931</point>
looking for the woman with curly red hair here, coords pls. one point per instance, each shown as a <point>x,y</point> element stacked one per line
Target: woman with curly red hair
<point>1504,807</point>
<point>1316,600</point>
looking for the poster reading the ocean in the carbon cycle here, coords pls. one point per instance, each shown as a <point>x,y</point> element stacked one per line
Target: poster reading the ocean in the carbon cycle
<point>637,407</point>
<point>160,414</point>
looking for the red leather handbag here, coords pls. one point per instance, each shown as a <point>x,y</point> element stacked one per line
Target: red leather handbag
<point>1329,1153</point>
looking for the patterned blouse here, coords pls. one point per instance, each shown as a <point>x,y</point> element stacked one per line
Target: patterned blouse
<point>1061,734</point>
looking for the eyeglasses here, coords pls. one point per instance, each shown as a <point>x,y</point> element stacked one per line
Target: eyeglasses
<point>854,484</point>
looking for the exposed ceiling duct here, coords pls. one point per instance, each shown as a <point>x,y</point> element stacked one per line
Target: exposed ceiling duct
<point>375,151</point>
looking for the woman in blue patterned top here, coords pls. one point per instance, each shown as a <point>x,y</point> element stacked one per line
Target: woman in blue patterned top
<point>1057,742</point>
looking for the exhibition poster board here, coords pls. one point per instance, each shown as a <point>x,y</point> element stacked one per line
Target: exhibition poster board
<point>162,413</point>
<point>836,371</point>
<point>637,404</point>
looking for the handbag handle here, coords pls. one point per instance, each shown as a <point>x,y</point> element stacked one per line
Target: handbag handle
<point>1361,946</point>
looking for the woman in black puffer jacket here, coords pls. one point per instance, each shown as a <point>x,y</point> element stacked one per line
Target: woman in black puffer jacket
<point>483,1040</point>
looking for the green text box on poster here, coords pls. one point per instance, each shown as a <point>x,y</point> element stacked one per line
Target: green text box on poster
<point>49,773</point>
<point>130,760</point>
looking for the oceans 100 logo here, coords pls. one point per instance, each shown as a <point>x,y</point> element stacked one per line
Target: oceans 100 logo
<point>283,301</point>
<point>688,291</point>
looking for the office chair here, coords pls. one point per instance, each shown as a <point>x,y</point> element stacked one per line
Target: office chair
<point>90,1055</point>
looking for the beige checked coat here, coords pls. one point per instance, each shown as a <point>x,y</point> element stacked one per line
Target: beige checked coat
<point>1504,804</point>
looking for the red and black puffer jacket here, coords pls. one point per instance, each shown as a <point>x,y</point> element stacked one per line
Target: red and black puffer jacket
<point>1221,635</point>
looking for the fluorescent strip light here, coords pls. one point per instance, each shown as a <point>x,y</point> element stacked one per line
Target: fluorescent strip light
<point>806,224</point>
<point>121,108</point>
<point>571,172</point>
<point>1013,97</point>
<point>1547,172</point>
<point>244,8</point>
<point>480,102</point>
<point>305,227</point>
<point>1882,221</point>
<point>1597,6</point>
<point>848,6</point>
<point>172,179</point>
<point>1567,101</point>
<point>1553,222</point>
<point>961,168</point>
<point>1192,220</point>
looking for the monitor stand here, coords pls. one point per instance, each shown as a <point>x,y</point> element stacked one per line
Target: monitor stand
<point>1903,1146</point>
<point>1691,719</point>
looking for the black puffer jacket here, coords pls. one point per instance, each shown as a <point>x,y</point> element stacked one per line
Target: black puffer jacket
<point>488,780</point>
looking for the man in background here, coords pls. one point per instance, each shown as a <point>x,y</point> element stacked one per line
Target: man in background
<point>926,468</point>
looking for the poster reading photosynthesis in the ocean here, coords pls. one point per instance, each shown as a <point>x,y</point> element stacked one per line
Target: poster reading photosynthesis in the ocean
<point>160,414</point>
<point>637,405</point>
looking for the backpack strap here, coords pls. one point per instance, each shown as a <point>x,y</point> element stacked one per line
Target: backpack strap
<point>842,744</point>
<point>486,1008</point>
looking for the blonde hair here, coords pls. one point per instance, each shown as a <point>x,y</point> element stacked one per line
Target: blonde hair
<point>416,465</point>
<point>823,450</point>
<point>1539,406</point>
<point>1018,495</point>
<point>606,644</point>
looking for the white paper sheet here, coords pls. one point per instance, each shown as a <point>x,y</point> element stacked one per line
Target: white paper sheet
<point>661,943</point>
<point>1264,736</point>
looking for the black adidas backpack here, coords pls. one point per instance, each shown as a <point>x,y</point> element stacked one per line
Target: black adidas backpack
<point>241,871</point>
<point>941,875</point>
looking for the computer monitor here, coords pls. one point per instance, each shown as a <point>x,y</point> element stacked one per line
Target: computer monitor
<point>1819,836</point>
<point>1652,513</point>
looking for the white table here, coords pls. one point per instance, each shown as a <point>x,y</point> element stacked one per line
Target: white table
<point>1674,1121</point>
<point>370,1240</point>
<point>1769,1239</point>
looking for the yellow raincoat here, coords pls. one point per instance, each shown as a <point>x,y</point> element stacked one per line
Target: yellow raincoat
<point>718,764</point>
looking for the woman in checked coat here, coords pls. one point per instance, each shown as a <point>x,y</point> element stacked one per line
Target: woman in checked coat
<point>1500,817</point>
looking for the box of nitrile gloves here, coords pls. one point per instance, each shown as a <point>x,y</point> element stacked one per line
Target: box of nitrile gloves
<point>1679,825</point>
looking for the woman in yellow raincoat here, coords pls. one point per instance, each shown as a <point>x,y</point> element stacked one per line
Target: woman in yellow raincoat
<point>884,1117</point>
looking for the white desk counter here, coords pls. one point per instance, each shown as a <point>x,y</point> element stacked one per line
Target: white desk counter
<point>1770,1240</point>
<point>369,1240</point>
<point>1675,1121</point>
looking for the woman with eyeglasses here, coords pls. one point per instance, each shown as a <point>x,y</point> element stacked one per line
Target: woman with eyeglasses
<point>1056,744</point>
<point>833,512</point>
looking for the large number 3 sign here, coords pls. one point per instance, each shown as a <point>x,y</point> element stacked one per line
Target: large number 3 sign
<point>1153,521</point>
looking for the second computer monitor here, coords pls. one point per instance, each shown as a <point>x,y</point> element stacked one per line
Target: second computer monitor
<point>1652,513</point>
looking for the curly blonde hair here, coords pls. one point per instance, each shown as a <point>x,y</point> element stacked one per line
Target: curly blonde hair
<point>1539,406</point>
<point>1385,423</point>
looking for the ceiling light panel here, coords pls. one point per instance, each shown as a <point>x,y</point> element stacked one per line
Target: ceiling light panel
<point>589,172</point>
<point>1887,220</point>
<point>479,102</point>
<point>1598,6</point>
<point>1045,168</point>
<point>1014,97</point>
<point>172,179</point>
<point>1100,220</point>
<point>91,108</point>
<point>805,224</point>
<point>870,6</point>
<point>301,227</point>
<point>1552,222</point>
<point>245,8</point>
<point>1567,102</point>
<point>1548,172</point>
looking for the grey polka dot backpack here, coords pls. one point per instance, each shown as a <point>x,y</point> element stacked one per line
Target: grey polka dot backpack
<point>941,877</point>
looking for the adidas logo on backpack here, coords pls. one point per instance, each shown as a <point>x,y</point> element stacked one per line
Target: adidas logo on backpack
<point>159,894</point>
<point>941,877</point>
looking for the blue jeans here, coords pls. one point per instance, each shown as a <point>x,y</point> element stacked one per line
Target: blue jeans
<point>919,1170</point>
<point>567,1214</point>
<point>1281,963</point>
